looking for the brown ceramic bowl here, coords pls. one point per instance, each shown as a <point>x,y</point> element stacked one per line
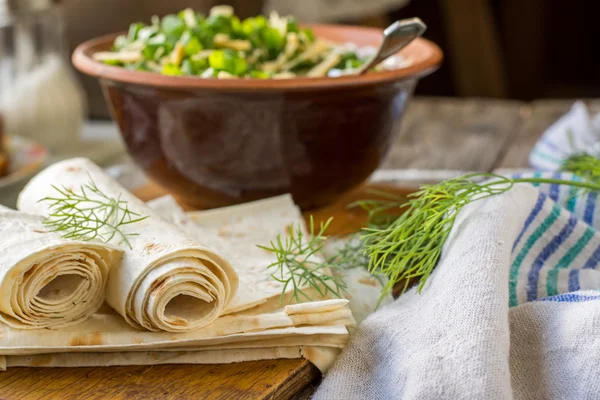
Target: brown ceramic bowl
<point>216,142</point>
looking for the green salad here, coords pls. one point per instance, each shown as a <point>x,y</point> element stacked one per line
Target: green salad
<point>221,45</point>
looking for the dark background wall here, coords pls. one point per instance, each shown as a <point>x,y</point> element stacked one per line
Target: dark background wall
<point>522,49</point>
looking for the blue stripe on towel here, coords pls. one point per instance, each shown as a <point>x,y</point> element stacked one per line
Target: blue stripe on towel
<point>590,206</point>
<point>534,273</point>
<point>570,298</point>
<point>555,188</point>
<point>534,213</point>
<point>593,261</point>
<point>573,280</point>
<point>551,145</point>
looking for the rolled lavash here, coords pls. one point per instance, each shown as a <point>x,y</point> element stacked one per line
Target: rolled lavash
<point>166,281</point>
<point>47,281</point>
<point>238,230</point>
<point>259,324</point>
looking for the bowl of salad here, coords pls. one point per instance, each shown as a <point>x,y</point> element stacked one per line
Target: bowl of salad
<point>222,111</point>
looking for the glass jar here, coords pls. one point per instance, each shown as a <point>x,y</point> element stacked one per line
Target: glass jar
<point>39,95</point>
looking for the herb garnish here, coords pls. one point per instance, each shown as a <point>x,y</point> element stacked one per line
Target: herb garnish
<point>90,214</point>
<point>300,264</point>
<point>409,248</point>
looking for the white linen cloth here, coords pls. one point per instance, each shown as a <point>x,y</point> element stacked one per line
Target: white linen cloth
<point>575,131</point>
<point>512,311</point>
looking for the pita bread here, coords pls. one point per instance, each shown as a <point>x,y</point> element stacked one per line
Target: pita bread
<point>47,281</point>
<point>166,281</point>
<point>255,324</point>
<point>152,357</point>
<point>109,332</point>
<point>237,231</point>
<point>322,357</point>
<point>258,222</point>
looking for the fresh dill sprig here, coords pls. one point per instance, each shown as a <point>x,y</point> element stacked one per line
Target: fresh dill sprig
<point>300,264</point>
<point>583,165</point>
<point>409,248</point>
<point>377,209</point>
<point>90,214</point>
<point>353,253</point>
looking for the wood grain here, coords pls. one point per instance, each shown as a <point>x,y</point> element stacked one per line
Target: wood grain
<point>273,379</point>
<point>465,134</point>
<point>536,118</point>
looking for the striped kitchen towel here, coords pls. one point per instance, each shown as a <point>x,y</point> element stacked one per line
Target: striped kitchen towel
<point>557,249</point>
<point>573,132</point>
<point>512,311</point>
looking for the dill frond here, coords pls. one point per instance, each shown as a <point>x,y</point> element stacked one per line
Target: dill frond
<point>300,265</point>
<point>90,214</point>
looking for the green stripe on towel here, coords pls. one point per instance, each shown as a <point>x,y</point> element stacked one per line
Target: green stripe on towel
<point>547,157</point>
<point>572,199</point>
<point>566,260</point>
<point>529,243</point>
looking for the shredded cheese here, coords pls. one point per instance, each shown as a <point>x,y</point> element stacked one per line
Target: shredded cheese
<point>222,40</point>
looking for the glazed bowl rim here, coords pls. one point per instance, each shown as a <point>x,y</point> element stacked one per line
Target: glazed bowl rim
<point>425,56</point>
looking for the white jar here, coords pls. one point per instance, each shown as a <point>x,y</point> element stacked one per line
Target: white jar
<point>39,95</point>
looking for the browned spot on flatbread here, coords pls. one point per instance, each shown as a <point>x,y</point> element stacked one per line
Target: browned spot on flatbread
<point>158,285</point>
<point>138,340</point>
<point>226,233</point>
<point>39,231</point>
<point>41,360</point>
<point>30,272</point>
<point>93,339</point>
<point>368,281</point>
<point>175,320</point>
<point>73,169</point>
<point>149,247</point>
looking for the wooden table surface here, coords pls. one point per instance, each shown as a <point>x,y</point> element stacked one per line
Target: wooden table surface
<point>473,134</point>
<point>437,133</point>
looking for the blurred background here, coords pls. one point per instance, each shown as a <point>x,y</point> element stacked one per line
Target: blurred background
<point>500,49</point>
<point>493,48</point>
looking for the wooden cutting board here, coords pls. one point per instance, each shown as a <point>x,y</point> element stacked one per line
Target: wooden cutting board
<point>271,379</point>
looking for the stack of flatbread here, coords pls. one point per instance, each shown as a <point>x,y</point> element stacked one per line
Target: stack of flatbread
<point>183,288</point>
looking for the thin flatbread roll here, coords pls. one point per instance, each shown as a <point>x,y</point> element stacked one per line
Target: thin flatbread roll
<point>47,281</point>
<point>166,281</point>
<point>260,222</point>
<point>322,357</point>
<point>237,231</point>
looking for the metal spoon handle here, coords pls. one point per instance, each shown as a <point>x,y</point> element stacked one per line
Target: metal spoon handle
<point>395,37</point>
